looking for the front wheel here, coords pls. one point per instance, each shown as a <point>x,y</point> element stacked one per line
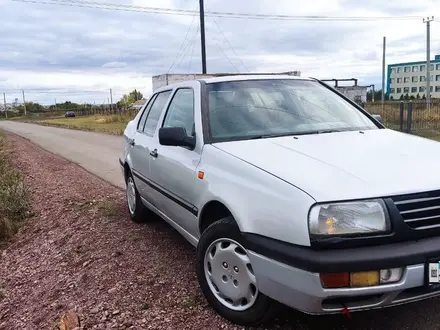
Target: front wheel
<point>226,277</point>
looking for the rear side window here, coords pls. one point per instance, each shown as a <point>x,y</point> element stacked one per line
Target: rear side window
<point>155,112</point>
<point>144,115</point>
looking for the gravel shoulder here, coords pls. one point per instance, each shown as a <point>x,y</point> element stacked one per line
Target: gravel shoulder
<point>80,252</point>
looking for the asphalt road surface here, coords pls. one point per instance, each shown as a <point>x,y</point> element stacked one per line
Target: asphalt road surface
<point>98,153</point>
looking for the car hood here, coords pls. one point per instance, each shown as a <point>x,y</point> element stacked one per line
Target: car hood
<point>346,165</point>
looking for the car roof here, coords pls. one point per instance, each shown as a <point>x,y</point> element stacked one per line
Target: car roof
<point>250,77</point>
<point>226,78</point>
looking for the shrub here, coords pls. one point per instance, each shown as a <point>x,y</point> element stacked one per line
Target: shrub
<point>14,198</point>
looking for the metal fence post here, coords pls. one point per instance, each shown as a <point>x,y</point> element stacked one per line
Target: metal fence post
<point>410,108</point>
<point>402,109</point>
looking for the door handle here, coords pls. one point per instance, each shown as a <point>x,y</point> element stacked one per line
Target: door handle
<point>154,153</point>
<point>131,142</point>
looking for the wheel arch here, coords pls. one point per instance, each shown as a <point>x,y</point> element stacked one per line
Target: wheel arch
<point>127,165</point>
<point>127,171</point>
<point>213,211</point>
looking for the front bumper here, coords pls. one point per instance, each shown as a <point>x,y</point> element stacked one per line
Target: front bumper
<point>290,273</point>
<point>302,290</point>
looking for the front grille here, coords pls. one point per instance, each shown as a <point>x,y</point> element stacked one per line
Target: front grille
<point>420,211</point>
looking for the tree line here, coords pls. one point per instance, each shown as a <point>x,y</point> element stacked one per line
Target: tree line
<point>378,96</point>
<point>34,107</point>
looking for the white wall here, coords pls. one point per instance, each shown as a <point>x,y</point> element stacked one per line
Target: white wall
<point>354,92</point>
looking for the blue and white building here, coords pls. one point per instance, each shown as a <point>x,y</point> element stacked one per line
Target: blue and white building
<point>410,78</point>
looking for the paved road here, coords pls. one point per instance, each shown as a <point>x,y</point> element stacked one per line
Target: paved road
<point>98,153</point>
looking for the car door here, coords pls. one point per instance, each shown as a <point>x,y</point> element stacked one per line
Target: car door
<point>173,169</point>
<point>143,142</point>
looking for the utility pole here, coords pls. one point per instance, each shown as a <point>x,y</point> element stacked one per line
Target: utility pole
<point>428,60</point>
<point>202,35</point>
<point>383,70</point>
<point>111,99</point>
<point>55,104</point>
<point>24,103</point>
<point>372,92</point>
<point>6,109</point>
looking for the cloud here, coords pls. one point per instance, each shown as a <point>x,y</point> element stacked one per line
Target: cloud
<point>78,54</point>
<point>114,65</point>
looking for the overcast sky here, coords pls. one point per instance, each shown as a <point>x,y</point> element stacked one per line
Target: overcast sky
<point>50,49</point>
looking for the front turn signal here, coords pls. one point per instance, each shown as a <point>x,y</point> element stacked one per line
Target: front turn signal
<point>335,280</point>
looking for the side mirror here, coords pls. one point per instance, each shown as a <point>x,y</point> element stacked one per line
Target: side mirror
<point>176,136</point>
<point>378,118</point>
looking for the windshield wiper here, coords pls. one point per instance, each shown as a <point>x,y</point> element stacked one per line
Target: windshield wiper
<point>323,131</point>
<point>329,131</point>
<point>267,136</point>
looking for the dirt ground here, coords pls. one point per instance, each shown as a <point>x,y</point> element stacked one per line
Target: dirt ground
<point>80,252</point>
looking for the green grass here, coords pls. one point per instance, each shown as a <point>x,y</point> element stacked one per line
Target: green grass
<point>110,124</point>
<point>14,197</point>
<point>430,134</point>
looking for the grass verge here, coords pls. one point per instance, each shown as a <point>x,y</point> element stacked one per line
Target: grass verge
<point>430,134</point>
<point>110,124</point>
<point>14,197</point>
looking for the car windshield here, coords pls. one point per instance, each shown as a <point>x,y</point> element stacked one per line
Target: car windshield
<point>265,108</point>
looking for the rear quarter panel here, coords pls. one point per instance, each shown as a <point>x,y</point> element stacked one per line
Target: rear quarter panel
<point>129,133</point>
<point>260,202</point>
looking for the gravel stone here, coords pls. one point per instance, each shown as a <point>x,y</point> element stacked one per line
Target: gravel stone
<point>94,310</point>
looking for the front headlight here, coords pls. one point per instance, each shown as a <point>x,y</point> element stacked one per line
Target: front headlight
<point>361,217</point>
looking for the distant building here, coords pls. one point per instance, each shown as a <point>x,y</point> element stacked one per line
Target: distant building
<point>355,93</point>
<point>410,78</point>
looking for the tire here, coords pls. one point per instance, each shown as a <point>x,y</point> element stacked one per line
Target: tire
<point>137,211</point>
<point>259,308</point>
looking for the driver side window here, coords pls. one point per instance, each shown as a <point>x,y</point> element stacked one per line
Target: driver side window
<point>181,111</point>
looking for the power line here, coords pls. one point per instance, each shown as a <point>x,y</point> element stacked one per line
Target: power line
<point>181,46</point>
<point>187,12</point>
<point>230,46</point>
<point>221,49</point>
<point>192,54</point>
<point>192,42</point>
<point>98,6</point>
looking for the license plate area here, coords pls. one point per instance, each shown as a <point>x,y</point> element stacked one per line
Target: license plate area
<point>432,273</point>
